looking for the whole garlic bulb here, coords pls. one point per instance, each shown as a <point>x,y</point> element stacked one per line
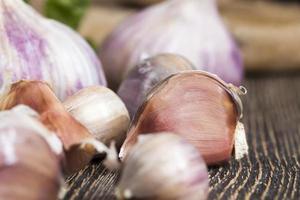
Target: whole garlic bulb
<point>146,75</point>
<point>36,48</point>
<point>163,166</point>
<point>199,107</point>
<point>29,162</point>
<point>101,111</point>
<point>191,28</point>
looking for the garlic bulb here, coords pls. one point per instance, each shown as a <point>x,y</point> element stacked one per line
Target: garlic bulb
<point>148,73</point>
<point>102,112</point>
<point>79,144</point>
<point>36,48</point>
<point>196,105</point>
<point>163,166</point>
<point>191,28</point>
<point>29,165</point>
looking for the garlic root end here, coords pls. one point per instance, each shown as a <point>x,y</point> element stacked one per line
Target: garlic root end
<point>240,145</point>
<point>111,160</point>
<point>62,191</point>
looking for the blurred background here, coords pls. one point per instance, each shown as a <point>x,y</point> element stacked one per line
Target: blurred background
<point>267,31</point>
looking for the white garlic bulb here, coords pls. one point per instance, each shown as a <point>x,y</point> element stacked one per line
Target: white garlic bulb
<point>190,28</point>
<point>101,111</point>
<point>163,166</point>
<point>36,48</point>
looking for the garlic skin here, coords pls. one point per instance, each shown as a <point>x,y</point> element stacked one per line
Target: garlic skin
<point>197,106</point>
<point>163,166</point>
<point>102,112</point>
<point>79,144</point>
<point>29,162</point>
<point>33,47</point>
<point>190,28</point>
<point>146,75</point>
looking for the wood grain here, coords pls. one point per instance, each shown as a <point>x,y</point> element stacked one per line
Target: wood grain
<point>272,169</point>
<point>266,33</point>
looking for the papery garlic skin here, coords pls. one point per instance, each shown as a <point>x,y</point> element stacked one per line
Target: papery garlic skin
<point>80,146</point>
<point>190,28</point>
<point>195,105</point>
<point>163,166</point>
<point>146,75</point>
<point>33,47</point>
<point>101,111</point>
<point>29,161</point>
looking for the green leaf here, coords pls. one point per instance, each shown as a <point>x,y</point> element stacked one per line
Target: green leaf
<point>69,12</point>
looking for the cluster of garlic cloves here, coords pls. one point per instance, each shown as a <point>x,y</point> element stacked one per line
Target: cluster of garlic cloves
<point>30,157</point>
<point>196,105</point>
<point>79,144</point>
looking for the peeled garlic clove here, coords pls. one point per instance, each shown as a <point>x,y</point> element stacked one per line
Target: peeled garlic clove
<point>147,74</point>
<point>33,47</point>
<point>191,28</point>
<point>80,146</point>
<point>29,162</point>
<point>102,112</point>
<point>163,166</point>
<point>196,105</point>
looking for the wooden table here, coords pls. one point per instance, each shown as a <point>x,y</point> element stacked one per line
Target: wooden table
<point>272,168</point>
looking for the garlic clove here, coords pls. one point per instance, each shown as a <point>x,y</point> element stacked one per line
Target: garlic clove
<point>33,47</point>
<point>190,28</point>
<point>146,75</point>
<point>39,96</point>
<point>102,112</point>
<point>196,105</point>
<point>163,166</point>
<point>29,158</point>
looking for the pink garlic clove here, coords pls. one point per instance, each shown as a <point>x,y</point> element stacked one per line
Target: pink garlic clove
<point>147,74</point>
<point>197,106</point>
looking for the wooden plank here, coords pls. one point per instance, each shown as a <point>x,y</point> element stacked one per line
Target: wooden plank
<point>272,169</point>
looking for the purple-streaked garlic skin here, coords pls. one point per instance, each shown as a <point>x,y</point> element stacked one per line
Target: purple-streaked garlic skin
<point>33,47</point>
<point>163,166</point>
<point>147,74</point>
<point>29,158</point>
<point>195,105</point>
<point>189,28</point>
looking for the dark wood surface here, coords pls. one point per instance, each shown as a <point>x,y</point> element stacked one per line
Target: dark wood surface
<point>272,169</point>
